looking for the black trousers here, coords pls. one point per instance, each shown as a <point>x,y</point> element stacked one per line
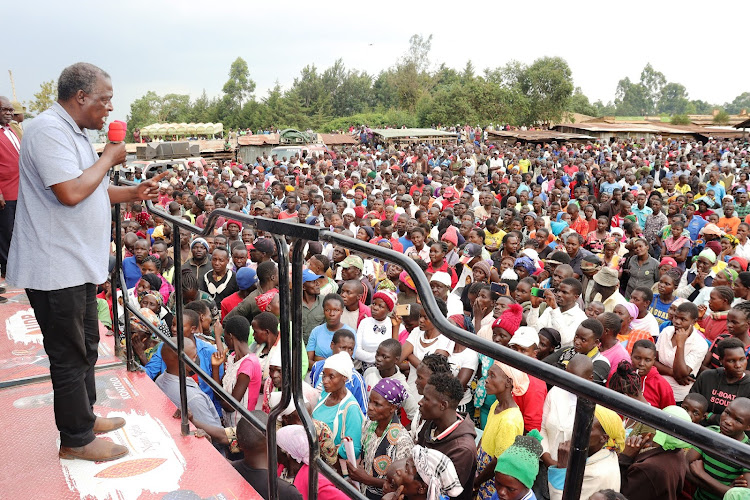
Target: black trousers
<point>7,217</point>
<point>68,320</point>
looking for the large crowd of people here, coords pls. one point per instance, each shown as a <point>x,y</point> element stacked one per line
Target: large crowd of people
<point>624,263</point>
<point>621,262</point>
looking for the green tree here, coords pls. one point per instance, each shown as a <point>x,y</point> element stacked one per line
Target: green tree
<point>673,99</point>
<point>467,75</point>
<point>602,109</point>
<point>702,107</point>
<point>653,81</point>
<point>385,93</point>
<point>419,52</point>
<point>632,99</point>
<point>548,84</point>
<point>680,120</point>
<point>239,86</point>
<point>43,99</point>
<point>721,118</point>
<point>579,103</point>
<point>741,102</point>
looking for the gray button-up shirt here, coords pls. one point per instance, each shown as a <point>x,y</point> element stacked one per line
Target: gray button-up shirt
<point>55,246</point>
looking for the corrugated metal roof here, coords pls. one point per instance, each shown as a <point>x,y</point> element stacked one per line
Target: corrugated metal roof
<point>611,127</point>
<point>395,133</point>
<point>540,135</point>
<point>336,139</point>
<point>258,139</point>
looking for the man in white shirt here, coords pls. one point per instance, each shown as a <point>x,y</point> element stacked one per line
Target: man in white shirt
<point>680,351</point>
<point>562,312</point>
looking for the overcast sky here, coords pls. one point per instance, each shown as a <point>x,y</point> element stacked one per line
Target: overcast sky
<point>186,46</point>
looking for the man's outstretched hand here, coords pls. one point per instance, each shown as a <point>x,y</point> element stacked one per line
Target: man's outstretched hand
<point>149,190</point>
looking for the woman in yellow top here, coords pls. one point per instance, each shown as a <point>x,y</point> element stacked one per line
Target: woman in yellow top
<point>504,423</point>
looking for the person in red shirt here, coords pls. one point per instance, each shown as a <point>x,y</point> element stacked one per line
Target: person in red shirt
<point>10,146</point>
<point>291,208</point>
<point>247,280</point>
<point>656,390</point>
<point>577,223</point>
<point>450,197</point>
<point>386,233</point>
<point>526,341</point>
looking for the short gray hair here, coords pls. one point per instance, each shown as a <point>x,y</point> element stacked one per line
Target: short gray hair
<point>78,76</point>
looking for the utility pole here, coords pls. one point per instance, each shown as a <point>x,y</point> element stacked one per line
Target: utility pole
<point>12,85</point>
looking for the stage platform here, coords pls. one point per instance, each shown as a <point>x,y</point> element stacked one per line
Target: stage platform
<point>162,463</point>
<point>22,354</point>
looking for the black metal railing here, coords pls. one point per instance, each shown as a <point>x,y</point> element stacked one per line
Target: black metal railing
<point>588,392</point>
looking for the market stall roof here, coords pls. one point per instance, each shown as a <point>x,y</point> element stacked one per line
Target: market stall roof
<point>539,135</point>
<point>743,124</point>
<point>406,133</point>
<point>258,140</point>
<point>336,139</point>
<point>158,129</point>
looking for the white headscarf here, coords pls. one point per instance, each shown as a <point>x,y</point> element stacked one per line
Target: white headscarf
<point>341,363</point>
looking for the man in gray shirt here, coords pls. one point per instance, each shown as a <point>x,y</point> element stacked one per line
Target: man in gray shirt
<point>198,402</point>
<point>60,247</point>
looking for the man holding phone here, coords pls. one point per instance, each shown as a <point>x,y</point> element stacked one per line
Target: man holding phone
<point>562,312</point>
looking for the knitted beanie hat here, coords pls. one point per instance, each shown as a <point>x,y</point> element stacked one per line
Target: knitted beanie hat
<point>386,296</point>
<point>510,320</point>
<point>521,459</point>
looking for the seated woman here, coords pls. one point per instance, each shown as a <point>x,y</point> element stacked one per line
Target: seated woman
<point>383,440</point>
<point>294,455</point>
<point>242,373</point>
<point>337,407</point>
<point>425,475</point>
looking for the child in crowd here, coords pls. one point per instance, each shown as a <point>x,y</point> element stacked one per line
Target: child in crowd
<point>374,329</point>
<point>714,323</point>
<point>713,474</point>
<point>386,359</point>
<point>318,345</point>
<point>680,351</point>
<point>242,372</point>
<point>342,341</point>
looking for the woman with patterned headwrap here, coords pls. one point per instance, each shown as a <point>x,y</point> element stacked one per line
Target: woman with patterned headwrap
<point>426,474</point>
<point>602,469</point>
<point>383,440</point>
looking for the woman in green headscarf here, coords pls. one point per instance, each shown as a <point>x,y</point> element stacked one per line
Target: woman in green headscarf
<point>653,466</point>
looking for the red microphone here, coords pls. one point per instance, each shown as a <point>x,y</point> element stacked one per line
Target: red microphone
<point>117,130</point>
<point>116,133</point>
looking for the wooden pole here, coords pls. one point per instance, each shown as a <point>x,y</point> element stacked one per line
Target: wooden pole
<point>12,85</point>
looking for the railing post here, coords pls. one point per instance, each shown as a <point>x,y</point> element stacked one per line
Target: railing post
<point>184,425</point>
<point>579,448</point>
<point>114,281</point>
<point>299,400</point>
<point>282,251</point>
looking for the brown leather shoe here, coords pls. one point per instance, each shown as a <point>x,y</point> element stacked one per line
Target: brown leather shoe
<point>98,450</point>
<point>102,424</point>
